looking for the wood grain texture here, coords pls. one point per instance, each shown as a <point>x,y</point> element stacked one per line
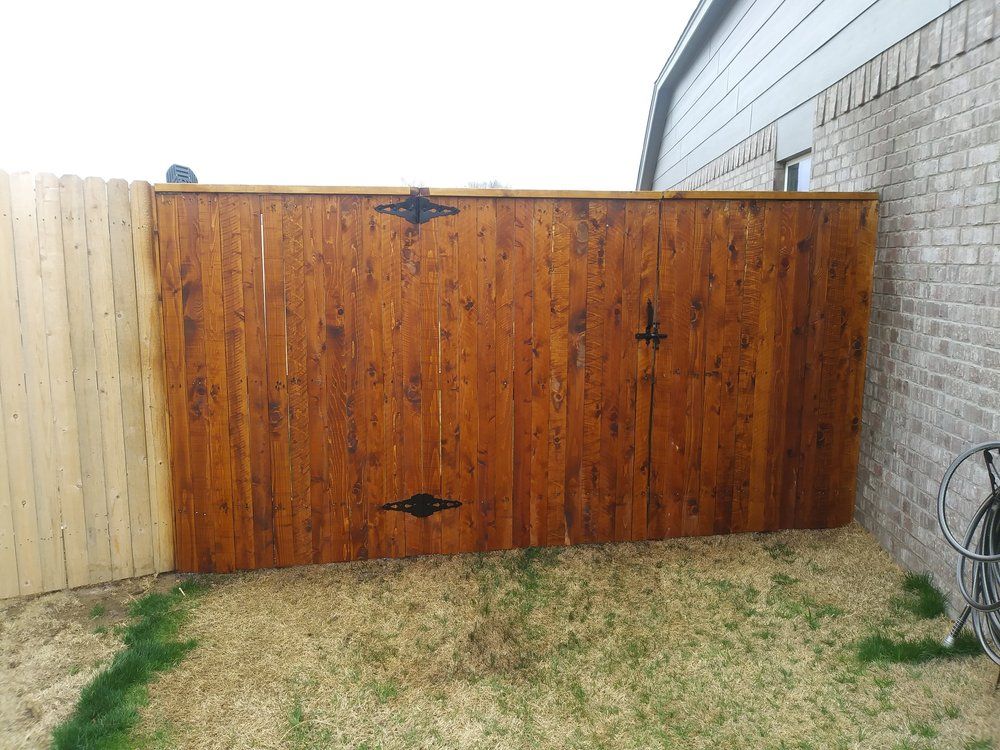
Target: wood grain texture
<point>152,368</point>
<point>130,374</point>
<point>27,573</point>
<point>85,385</point>
<point>277,379</point>
<point>235,374</point>
<point>490,357</point>
<point>66,447</point>
<point>77,481</point>
<point>39,413</point>
<point>240,392</point>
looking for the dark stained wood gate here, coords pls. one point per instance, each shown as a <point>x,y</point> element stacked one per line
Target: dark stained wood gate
<point>325,359</point>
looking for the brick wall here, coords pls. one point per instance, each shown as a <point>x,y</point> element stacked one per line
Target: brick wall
<point>921,125</point>
<point>748,166</point>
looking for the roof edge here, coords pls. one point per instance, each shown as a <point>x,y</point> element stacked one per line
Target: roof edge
<point>658,105</point>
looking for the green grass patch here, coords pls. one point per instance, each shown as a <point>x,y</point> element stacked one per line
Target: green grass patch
<point>922,597</point>
<point>303,733</point>
<point>884,648</point>
<point>780,551</point>
<point>98,610</point>
<point>108,707</point>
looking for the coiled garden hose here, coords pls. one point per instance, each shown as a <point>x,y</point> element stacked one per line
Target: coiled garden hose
<point>978,568</point>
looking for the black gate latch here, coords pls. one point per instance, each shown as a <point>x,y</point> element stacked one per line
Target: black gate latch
<point>652,332</point>
<point>416,209</point>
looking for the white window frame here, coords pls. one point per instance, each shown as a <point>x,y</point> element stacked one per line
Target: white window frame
<point>801,161</point>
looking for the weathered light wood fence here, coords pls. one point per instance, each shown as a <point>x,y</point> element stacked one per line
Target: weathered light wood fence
<point>84,467</point>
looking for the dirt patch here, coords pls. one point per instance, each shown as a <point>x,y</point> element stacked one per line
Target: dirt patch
<point>739,641</point>
<point>51,646</point>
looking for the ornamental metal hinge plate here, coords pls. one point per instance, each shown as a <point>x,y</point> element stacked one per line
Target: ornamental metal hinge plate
<point>422,505</point>
<point>416,209</point>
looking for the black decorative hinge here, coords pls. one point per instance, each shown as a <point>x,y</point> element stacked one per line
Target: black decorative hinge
<point>422,505</point>
<point>416,209</point>
<point>652,332</point>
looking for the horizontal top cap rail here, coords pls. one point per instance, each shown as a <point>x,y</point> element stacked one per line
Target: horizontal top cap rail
<point>764,195</point>
<point>197,187</point>
<point>642,195</point>
<point>508,193</point>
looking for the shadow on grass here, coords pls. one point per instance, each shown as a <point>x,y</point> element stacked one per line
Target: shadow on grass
<point>108,707</point>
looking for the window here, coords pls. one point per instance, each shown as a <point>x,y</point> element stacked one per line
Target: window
<point>797,172</point>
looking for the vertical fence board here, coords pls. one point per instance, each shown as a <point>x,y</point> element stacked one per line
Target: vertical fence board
<point>14,399</point>
<point>381,526</point>
<point>486,234</point>
<point>191,235</point>
<point>221,497</point>
<point>558,352</point>
<point>317,390</point>
<point>541,318</point>
<point>645,242</point>
<point>863,217</point>
<point>65,446</point>
<point>130,376</point>
<point>36,378</point>
<point>593,521</point>
<point>295,348</point>
<point>154,388</point>
<point>504,433</point>
<point>735,241</point>
<point>233,217</point>
<point>427,339</point>
<point>391,257</point>
<point>84,353</point>
<point>747,382</point>
<point>182,471</point>
<point>470,524</point>
<point>274,296</point>
<point>612,409</point>
<point>8,541</point>
<point>446,234</point>
<point>522,457</point>
<point>352,223</point>
<point>715,310</point>
<point>109,389</point>
<point>336,543</point>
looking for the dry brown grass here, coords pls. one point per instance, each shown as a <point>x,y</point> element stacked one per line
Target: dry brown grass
<point>50,647</point>
<point>733,642</point>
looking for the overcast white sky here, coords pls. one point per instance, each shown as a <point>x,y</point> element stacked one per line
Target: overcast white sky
<point>533,94</point>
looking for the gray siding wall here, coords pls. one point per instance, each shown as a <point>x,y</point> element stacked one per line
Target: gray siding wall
<point>765,59</point>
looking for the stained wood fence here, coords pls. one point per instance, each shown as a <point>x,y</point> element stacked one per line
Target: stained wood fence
<point>319,360</point>
<point>84,467</point>
<point>325,359</point>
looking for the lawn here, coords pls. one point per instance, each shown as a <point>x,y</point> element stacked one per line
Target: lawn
<point>751,641</point>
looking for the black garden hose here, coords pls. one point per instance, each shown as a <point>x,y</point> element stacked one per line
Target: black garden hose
<point>978,568</point>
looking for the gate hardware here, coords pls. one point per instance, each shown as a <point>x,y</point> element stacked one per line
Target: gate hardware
<point>652,332</point>
<point>417,209</point>
<point>422,505</point>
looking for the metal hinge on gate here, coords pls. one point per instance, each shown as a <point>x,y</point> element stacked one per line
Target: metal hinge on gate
<point>422,505</point>
<point>416,209</point>
<point>652,333</point>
